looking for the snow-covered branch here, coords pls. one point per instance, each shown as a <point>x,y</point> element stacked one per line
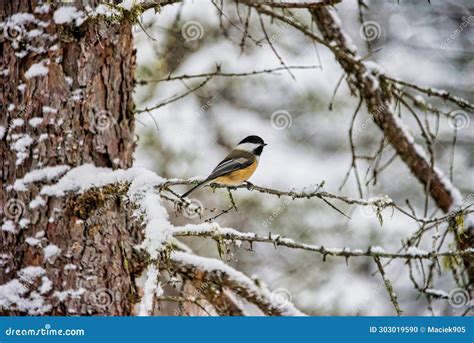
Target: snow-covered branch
<point>220,235</point>
<point>215,271</point>
<point>379,203</point>
<point>439,93</point>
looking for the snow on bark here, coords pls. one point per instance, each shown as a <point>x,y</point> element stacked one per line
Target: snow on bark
<point>158,231</point>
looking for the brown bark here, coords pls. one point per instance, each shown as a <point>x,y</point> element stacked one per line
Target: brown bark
<point>88,89</point>
<point>379,102</point>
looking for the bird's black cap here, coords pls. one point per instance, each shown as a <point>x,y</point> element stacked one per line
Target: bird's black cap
<point>252,139</point>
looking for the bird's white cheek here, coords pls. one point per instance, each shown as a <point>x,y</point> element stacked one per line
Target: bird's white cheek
<point>247,147</point>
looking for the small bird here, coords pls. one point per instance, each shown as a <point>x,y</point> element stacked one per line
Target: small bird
<point>238,166</point>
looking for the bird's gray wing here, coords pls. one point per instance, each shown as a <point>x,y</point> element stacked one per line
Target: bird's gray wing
<point>230,164</point>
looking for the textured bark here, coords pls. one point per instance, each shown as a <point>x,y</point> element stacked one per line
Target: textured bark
<point>88,88</point>
<point>379,101</point>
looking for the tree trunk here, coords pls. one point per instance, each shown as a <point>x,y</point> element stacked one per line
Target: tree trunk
<point>66,100</point>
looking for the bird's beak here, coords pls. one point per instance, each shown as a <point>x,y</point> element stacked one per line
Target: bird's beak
<point>265,144</point>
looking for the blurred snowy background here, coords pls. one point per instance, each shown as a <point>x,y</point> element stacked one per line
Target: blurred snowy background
<point>308,142</point>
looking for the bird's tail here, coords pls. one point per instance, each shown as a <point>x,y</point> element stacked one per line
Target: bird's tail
<point>193,189</point>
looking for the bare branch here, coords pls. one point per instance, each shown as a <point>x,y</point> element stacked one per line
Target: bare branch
<point>175,98</point>
<point>290,21</point>
<point>301,4</point>
<point>270,71</point>
<point>262,25</point>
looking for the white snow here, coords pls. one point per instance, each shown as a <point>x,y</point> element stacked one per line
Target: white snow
<point>68,80</point>
<point>437,292</point>
<point>32,241</point>
<point>373,66</point>
<point>24,223</point>
<point>44,174</point>
<point>30,273</point>
<point>37,202</point>
<point>151,289</point>
<point>87,176</point>
<point>128,4</point>
<point>50,251</point>
<point>10,293</point>
<point>42,9</point>
<point>37,69</point>
<point>102,9</point>
<point>17,122</point>
<point>455,193</point>
<point>377,249</point>
<point>46,285</point>
<point>213,265</point>
<point>70,293</point>
<point>420,100</point>
<point>34,33</point>
<point>13,294</point>
<point>77,95</point>
<point>157,229</point>
<point>20,18</point>
<point>9,226</point>
<point>35,121</point>
<point>414,251</point>
<point>47,109</point>
<point>68,14</point>
<point>141,191</point>
<point>215,227</point>
<point>2,131</point>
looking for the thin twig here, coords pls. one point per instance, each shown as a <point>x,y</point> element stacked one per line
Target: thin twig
<point>389,287</point>
<point>302,4</point>
<point>262,25</point>
<point>462,103</point>
<point>270,71</point>
<point>175,98</point>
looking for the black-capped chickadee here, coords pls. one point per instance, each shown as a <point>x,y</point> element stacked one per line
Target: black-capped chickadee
<point>238,166</point>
